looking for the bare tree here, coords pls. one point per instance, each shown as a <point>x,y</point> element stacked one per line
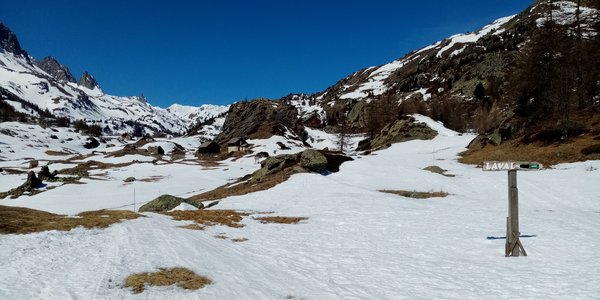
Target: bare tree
<point>342,137</point>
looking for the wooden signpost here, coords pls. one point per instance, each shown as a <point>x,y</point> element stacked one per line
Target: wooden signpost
<point>513,246</point>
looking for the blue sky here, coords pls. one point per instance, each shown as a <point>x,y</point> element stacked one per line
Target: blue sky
<point>196,52</point>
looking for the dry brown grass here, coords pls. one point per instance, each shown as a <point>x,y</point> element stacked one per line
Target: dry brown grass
<point>221,236</point>
<point>192,227</point>
<point>415,194</point>
<point>181,277</point>
<point>20,220</point>
<point>548,155</point>
<point>206,218</point>
<point>238,189</point>
<point>281,220</point>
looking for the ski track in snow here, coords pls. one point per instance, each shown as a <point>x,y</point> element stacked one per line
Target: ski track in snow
<point>358,243</point>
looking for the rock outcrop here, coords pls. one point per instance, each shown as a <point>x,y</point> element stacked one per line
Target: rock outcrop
<point>51,66</point>
<point>166,203</point>
<point>260,118</point>
<point>88,81</point>
<point>402,130</point>
<point>10,43</point>
<point>309,160</point>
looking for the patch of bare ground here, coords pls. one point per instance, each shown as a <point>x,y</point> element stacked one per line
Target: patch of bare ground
<point>281,220</point>
<point>542,144</point>
<point>82,169</point>
<point>192,227</point>
<point>154,178</point>
<point>415,194</point>
<point>20,220</point>
<point>14,171</point>
<point>205,218</point>
<point>181,277</point>
<point>209,163</point>
<point>548,155</point>
<point>242,187</point>
<point>58,153</point>
<point>222,236</point>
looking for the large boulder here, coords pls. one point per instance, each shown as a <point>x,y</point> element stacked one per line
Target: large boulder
<point>313,160</point>
<point>166,203</point>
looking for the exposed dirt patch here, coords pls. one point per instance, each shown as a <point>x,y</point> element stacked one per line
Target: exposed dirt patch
<point>239,240</point>
<point>281,220</point>
<point>415,194</point>
<point>58,153</point>
<point>181,277</point>
<point>205,218</point>
<point>20,220</point>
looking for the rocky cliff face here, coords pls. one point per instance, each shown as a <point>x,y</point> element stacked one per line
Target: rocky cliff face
<point>51,66</point>
<point>260,118</point>
<point>10,43</point>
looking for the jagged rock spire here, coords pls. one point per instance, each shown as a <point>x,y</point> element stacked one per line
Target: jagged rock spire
<point>88,81</point>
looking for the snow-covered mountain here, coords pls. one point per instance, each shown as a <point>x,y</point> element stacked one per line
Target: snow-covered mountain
<point>48,85</point>
<point>440,79</point>
<point>423,72</point>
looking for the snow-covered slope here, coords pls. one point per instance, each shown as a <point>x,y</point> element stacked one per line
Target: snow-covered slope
<point>357,243</point>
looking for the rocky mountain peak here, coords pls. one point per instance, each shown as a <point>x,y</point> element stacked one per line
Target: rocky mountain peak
<point>88,81</point>
<point>51,66</point>
<point>10,43</point>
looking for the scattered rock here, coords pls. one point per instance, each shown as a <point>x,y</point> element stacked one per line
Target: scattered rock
<point>282,146</point>
<point>45,174</point>
<point>53,136</point>
<point>129,179</point>
<point>91,143</point>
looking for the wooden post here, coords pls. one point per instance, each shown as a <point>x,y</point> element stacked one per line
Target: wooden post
<point>513,243</point>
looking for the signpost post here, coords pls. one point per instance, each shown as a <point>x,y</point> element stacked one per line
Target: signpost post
<point>513,246</point>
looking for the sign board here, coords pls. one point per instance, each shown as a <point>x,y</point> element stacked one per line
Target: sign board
<point>511,165</point>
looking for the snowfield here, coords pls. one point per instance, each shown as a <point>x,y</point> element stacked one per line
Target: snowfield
<point>357,243</point>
